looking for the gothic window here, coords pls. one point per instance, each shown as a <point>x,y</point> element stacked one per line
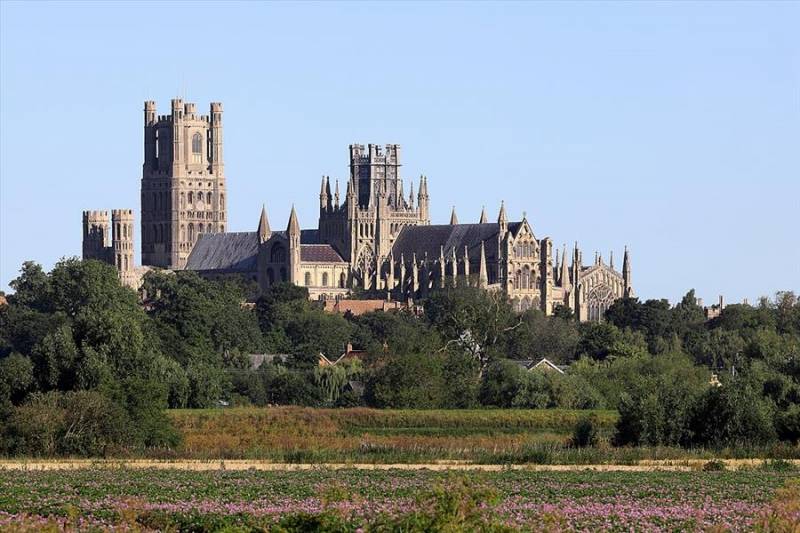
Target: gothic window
<point>197,148</point>
<point>222,229</point>
<point>191,197</point>
<point>221,199</point>
<point>183,232</point>
<point>126,262</point>
<point>308,279</point>
<point>277,254</point>
<point>324,279</point>
<point>191,232</point>
<point>183,200</point>
<point>208,198</point>
<point>199,229</point>
<point>283,274</point>
<point>342,280</point>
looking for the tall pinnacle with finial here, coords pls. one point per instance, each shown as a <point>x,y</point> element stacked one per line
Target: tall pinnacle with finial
<point>483,277</point>
<point>264,232</point>
<point>293,228</point>
<point>626,273</point>
<point>336,194</point>
<point>502,220</point>
<point>483,219</point>
<point>453,217</point>
<point>564,280</point>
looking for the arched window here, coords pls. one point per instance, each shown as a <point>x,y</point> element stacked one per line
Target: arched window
<point>126,262</point>
<point>183,200</point>
<point>191,232</point>
<point>191,197</point>
<point>324,279</point>
<point>197,148</point>
<point>199,229</point>
<point>200,196</point>
<point>308,279</point>
<point>221,199</point>
<point>277,254</point>
<point>183,232</point>
<point>342,280</point>
<point>222,229</point>
<point>208,198</point>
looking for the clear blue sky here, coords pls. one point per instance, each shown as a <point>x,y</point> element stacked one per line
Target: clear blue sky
<point>672,128</point>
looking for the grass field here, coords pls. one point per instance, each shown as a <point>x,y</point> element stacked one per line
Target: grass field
<point>395,500</point>
<point>305,435</point>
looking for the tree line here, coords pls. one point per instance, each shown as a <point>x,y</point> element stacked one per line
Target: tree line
<point>86,368</point>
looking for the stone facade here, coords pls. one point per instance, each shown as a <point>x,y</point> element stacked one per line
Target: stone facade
<point>375,238</point>
<point>115,246</point>
<point>183,182</point>
<point>372,238</point>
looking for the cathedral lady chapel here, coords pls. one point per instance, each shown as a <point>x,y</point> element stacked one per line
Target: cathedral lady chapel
<point>371,236</point>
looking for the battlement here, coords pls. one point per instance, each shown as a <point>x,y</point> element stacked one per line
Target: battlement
<point>122,214</point>
<point>95,216</point>
<point>374,153</point>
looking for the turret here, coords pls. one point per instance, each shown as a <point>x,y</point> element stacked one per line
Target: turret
<point>122,239</point>
<point>502,220</point>
<point>216,138</point>
<point>264,232</point>
<point>177,136</point>
<point>423,199</point>
<point>626,273</point>
<point>336,196</point>
<point>323,196</point>
<point>150,118</point>
<point>96,237</point>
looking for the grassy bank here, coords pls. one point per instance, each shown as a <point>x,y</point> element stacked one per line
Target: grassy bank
<point>296,434</point>
<point>306,435</point>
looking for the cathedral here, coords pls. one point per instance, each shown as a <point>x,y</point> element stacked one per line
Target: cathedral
<point>372,238</point>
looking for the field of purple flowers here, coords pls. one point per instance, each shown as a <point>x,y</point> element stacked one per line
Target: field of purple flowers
<point>349,500</point>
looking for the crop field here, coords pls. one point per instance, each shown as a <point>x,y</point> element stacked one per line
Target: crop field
<point>392,500</point>
<point>498,436</point>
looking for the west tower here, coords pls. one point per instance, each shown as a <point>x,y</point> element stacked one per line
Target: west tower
<point>183,181</point>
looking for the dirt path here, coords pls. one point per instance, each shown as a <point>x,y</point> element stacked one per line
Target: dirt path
<point>197,465</point>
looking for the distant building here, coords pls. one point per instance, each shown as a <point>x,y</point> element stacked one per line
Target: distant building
<point>373,236</point>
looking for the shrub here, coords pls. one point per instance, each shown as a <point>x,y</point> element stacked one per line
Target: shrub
<point>787,424</point>
<point>733,415</point>
<point>585,433</point>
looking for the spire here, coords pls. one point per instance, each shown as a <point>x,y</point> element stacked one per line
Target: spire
<point>483,219</point>
<point>294,226</point>
<point>564,280</point>
<point>501,217</point>
<point>483,278</point>
<point>453,217</point>
<point>264,232</point>
<point>411,195</point>
<point>336,195</point>
<point>611,259</point>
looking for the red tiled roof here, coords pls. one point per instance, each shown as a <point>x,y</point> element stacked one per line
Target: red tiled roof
<point>319,253</point>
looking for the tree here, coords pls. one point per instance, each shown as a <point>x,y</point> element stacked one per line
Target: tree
<point>733,415</point>
<point>408,382</point>
<point>597,340</point>
<point>476,320</point>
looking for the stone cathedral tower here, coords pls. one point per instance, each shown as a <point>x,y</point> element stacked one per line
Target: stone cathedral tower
<point>183,181</point>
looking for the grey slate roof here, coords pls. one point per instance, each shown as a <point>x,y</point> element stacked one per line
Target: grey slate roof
<point>319,253</point>
<point>429,239</point>
<point>228,252</point>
